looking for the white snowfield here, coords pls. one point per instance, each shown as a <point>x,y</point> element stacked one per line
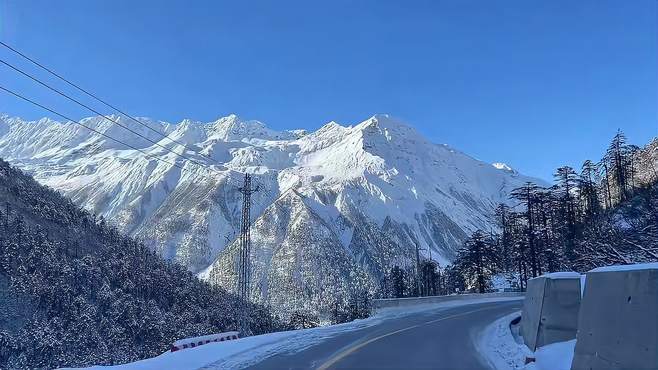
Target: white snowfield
<point>380,171</point>
<point>243,352</point>
<point>336,209</point>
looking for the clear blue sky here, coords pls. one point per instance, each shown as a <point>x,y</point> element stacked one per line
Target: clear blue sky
<point>536,84</point>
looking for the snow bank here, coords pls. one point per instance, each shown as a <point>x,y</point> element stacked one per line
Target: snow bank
<point>500,347</point>
<point>556,356</point>
<point>244,352</point>
<point>206,355</point>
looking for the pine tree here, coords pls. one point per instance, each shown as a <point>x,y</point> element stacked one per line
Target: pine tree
<point>589,197</point>
<point>478,259</point>
<point>398,280</point>
<point>527,195</point>
<point>566,180</point>
<point>617,160</point>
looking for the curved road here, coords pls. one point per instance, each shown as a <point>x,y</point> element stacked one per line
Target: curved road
<point>436,339</point>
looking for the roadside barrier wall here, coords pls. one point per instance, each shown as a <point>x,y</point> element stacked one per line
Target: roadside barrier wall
<point>205,339</point>
<point>412,301</point>
<point>619,319</point>
<point>551,309</point>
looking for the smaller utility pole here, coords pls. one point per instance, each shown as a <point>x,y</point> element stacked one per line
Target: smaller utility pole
<point>417,269</point>
<point>428,279</point>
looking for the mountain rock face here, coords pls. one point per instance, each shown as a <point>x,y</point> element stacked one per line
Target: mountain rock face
<point>334,206</point>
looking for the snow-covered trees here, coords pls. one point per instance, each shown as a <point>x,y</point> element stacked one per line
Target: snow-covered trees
<point>478,260</point>
<point>75,292</point>
<point>607,214</point>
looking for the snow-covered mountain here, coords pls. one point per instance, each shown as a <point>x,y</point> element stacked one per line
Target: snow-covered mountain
<point>356,198</point>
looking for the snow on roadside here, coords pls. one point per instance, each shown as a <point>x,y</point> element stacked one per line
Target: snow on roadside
<point>247,351</point>
<point>499,347</point>
<point>502,346</point>
<point>555,356</point>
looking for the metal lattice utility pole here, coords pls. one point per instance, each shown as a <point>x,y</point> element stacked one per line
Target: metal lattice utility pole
<point>244,263</point>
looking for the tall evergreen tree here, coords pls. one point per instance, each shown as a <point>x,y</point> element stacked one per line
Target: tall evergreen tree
<point>478,258</point>
<point>527,195</point>
<point>617,160</point>
<point>587,185</point>
<point>566,181</point>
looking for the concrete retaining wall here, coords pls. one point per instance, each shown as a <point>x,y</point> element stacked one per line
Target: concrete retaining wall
<point>401,302</point>
<point>550,309</point>
<point>618,320</point>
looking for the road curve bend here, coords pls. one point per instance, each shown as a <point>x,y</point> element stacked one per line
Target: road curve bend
<point>434,339</point>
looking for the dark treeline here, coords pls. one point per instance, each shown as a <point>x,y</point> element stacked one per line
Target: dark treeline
<point>605,213</point>
<point>75,292</point>
<point>433,279</point>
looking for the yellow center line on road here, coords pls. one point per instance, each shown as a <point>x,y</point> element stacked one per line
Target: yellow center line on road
<point>332,361</point>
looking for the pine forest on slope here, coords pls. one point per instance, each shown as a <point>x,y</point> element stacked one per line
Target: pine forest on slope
<point>74,291</point>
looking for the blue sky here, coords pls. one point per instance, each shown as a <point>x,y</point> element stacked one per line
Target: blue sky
<point>536,84</point>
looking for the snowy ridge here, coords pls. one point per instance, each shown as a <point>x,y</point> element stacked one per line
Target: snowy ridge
<point>366,192</point>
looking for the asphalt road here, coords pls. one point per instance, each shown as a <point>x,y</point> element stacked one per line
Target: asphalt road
<point>439,339</point>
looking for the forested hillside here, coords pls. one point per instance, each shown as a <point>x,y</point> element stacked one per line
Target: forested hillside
<point>604,214</point>
<point>74,291</point>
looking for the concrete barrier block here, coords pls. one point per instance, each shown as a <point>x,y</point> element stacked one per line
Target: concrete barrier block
<point>618,323</point>
<point>385,303</point>
<point>550,309</point>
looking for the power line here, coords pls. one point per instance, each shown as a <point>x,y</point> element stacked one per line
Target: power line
<point>104,102</point>
<point>92,95</point>
<point>92,129</point>
<point>97,98</point>
<point>97,112</point>
<point>117,122</point>
<point>147,155</point>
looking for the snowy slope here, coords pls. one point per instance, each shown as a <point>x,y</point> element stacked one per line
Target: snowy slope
<point>365,193</point>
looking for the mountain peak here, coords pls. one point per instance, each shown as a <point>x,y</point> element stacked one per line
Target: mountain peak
<point>332,125</point>
<point>503,166</point>
<point>387,123</point>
